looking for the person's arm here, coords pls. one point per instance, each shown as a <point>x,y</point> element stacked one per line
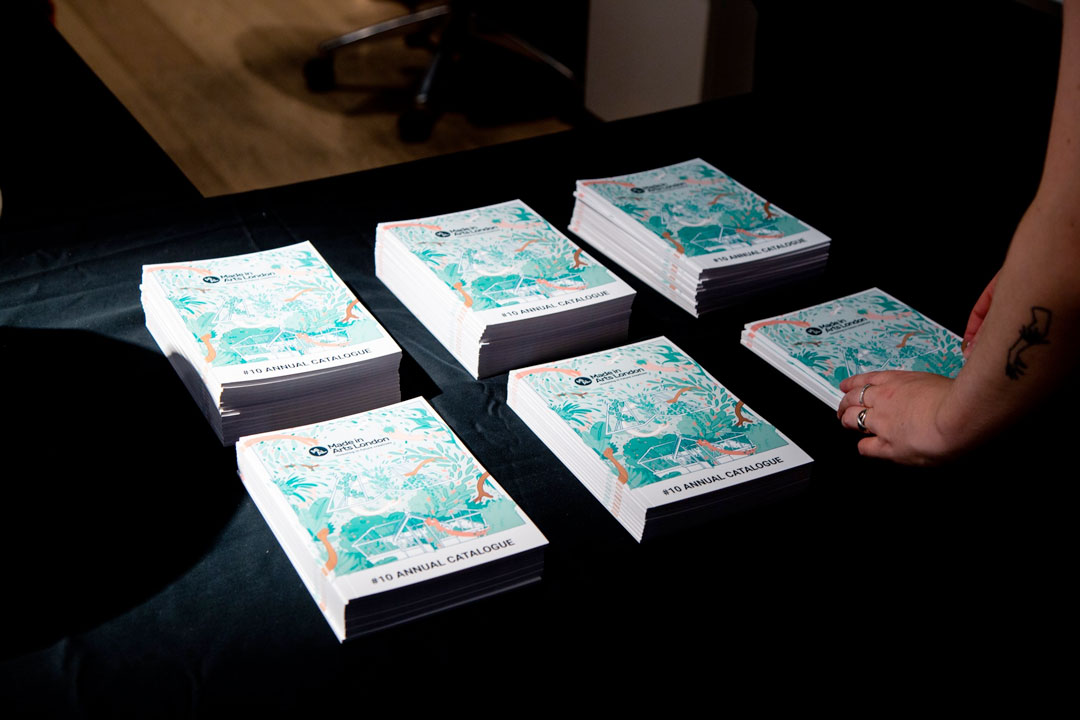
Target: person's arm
<point>1027,341</point>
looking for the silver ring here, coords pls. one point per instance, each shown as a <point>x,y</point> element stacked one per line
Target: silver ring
<point>861,420</point>
<point>862,393</point>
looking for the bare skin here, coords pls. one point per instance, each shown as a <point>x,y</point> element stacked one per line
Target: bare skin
<point>1021,337</point>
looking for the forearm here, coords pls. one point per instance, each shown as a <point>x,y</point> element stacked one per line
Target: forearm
<point>1028,342</point>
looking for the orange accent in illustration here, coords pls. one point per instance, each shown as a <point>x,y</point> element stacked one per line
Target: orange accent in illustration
<point>897,316</point>
<point>578,262</point>
<point>608,182</point>
<point>722,451</point>
<point>678,394</point>
<point>678,245</point>
<point>465,295</point>
<point>797,323</point>
<point>717,198</point>
<point>422,464</point>
<point>481,493</point>
<point>201,271</point>
<point>769,213</point>
<point>516,226</point>
<point>541,281</point>
<point>742,419</point>
<point>701,181</point>
<point>527,244</point>
<point>331,559</point>
<point>534,371</point>
<point>211,352</point>
<point>667,368</point>
<point>411,224</point>
<point>623,475</point>
<point>309,467</point>
<point>308,339</point>
<point>767,236</point>
<point>305,290</point>
<point>432,522</point>
<point>281,436</point>
<point>907,337</point>
<point>348,310</point>
<point>616,500</point>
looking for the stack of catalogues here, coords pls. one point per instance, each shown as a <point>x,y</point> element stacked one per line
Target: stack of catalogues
<point>695,235</point>
<point>500,287</point>
<point>269,339</point>
<point>819,346</point>
<point>387,517</point>
<point>654,437</point>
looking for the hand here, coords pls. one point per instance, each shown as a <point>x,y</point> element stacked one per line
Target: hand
<point>903,416</point>
<point>978,314</point>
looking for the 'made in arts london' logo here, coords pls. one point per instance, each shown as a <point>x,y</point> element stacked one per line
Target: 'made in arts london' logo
<point>318,451</point>
<point>442,233</point>
<point>583,380</point>
<point>211,279</point>
<point>813,331</point>
<point>637,191</point>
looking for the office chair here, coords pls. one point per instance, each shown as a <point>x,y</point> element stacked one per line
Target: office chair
<point>462,26</point>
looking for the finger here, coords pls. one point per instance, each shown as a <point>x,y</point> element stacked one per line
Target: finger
<point>876,447</point>
<point>850,399</point>
<point>862,396</point>
<point>856,382</point>
<point>978,314</point>
<point>850,419</point>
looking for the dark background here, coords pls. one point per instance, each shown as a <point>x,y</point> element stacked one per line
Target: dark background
<point>142,580</point>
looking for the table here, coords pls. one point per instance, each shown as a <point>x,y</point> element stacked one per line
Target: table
<point>142,580</point>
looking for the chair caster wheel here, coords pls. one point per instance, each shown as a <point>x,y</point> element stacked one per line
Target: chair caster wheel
<point>416,124</point>
<point>319,73</point>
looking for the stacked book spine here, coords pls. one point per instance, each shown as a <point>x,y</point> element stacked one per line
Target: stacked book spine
<point>500,287</point>
<point>654,437</point>
<point>695,235</point>
<point>269,339</point>
<point>387,517</point>
<point>819,346</point>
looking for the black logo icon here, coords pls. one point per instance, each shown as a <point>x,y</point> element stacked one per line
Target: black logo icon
<point>583,381</point>
<point>442,233</point>
<point>211,279</point>
<point>318,451</point>
<point>637,191</point>
<point>813,331</point>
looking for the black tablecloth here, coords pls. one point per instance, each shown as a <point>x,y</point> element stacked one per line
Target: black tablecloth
<point>141,578</point>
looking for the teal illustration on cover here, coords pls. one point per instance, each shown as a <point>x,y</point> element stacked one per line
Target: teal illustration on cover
<point>265,306</point>
<point>696,209</point>
<point>868,331</point>
<point>383,486</point>
<point>651,412</point>
<point>500,255</point>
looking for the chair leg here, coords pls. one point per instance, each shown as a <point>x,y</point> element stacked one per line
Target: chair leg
<point>319,70</point>
<point>328,46</point>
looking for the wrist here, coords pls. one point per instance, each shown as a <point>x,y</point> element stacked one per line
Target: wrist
<point>953,420</point>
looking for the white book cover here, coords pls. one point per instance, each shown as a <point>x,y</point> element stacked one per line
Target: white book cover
<point>268,314</point>
<point>699,215</point>
<point>505,263</point>
<point>864,332</point>
<point>382,500</point>
<point>664,428</point>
